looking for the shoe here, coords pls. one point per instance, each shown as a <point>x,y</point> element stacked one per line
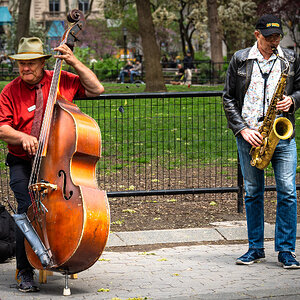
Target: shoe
<point>251,256</point>
<point>25,281</point>
<point>287,260</point>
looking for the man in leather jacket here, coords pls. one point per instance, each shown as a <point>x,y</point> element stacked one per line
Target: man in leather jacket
<point>251,81</point>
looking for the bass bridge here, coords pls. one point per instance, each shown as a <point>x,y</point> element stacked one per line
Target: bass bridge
<point>42,187</point>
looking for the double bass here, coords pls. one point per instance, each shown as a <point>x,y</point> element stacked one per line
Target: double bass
<point>68,211</point>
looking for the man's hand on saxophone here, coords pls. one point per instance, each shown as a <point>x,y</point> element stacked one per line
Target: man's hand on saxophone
<point>285,103</point>
<point>253,137</point>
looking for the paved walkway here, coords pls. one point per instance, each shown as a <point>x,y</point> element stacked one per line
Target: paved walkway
<point>200,271</point>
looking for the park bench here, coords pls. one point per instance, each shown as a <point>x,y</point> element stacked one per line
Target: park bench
<point>169,74</point>
<point>136,78</point>
<point>8,73</point>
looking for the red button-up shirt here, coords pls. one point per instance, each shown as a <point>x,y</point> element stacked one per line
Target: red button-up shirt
<point>18,99</point>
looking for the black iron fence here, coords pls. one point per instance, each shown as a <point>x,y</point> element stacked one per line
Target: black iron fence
<point>162,144</point>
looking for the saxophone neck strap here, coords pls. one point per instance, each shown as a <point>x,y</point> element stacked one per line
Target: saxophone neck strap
<point>265,77</point>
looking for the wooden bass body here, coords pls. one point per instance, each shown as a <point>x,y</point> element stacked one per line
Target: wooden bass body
<point>76,225</point>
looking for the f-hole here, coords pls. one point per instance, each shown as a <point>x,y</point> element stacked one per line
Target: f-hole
<point>63,173</point>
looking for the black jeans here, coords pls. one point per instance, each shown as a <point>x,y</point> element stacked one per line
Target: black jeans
<point>20,170</point>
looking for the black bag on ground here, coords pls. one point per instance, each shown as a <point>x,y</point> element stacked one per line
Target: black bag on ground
<point>7,235</point>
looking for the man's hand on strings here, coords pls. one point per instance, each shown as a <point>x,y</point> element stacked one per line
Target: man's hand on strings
<point>29,143</point>
<point>14,137</point>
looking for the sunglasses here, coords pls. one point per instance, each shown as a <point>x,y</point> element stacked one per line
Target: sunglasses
<point>273,37</point>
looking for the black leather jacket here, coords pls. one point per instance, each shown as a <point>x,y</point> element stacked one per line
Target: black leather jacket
<point>237,82</point>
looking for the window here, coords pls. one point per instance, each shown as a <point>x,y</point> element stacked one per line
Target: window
<point>83,5</point>
<point>54,5</point>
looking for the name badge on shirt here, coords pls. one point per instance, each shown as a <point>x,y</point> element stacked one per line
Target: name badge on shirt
<point>31,108</point>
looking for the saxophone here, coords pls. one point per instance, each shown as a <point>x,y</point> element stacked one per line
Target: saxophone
<point>272,129</point>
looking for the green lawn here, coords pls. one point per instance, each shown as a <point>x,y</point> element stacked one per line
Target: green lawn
<point>172,131</point>
<point>136,130</point>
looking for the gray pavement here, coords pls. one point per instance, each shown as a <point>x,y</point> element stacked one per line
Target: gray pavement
<point>172,264</point>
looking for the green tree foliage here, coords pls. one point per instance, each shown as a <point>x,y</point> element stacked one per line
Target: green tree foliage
<point>107,68</point>
<point>190,17</point>
<point>123,14</point>
<point>237,19</point>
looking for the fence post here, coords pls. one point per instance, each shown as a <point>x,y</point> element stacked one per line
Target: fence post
<point>240,187</point>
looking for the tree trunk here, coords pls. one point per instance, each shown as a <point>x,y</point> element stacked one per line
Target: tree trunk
<point>154,76</point>
<point>215,36</point>
<point>23,20</point>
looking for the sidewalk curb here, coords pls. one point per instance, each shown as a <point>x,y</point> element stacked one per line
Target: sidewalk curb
<point>223,231</point>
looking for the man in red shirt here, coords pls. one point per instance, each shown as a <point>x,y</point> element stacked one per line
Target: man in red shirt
<point>18,102</point>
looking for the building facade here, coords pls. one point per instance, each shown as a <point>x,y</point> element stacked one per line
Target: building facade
<point>51,15</point>
<point>45,11</point>
<point>51,10</point>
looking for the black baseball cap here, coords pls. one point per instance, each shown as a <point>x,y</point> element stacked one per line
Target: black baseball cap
<point>268,25</point>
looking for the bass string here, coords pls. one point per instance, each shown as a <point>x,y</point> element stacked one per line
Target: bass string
<point>35,195</point>
<point>47,117</point>
<point>44,134</point>
<point>45,124</point>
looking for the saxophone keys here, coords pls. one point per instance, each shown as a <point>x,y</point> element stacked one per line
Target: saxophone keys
<point>255,161</point>
<point>262,150</point>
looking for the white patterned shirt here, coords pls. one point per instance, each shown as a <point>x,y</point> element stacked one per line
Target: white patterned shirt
<point>253,102</point>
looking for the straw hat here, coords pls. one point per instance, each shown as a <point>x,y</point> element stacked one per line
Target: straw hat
<point>30,48</point>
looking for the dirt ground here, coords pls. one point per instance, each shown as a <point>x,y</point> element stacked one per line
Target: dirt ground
<point>180,211</point>
<point>185,211</point>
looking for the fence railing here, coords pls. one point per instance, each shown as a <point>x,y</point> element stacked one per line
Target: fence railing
<point>162,144</point>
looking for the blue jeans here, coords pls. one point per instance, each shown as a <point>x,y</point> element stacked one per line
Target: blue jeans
<point>133,73</point>
<point>284,163</point>
<point>122,75</point>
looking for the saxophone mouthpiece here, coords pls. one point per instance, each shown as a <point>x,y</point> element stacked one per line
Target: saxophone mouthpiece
<point>275,51</point>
